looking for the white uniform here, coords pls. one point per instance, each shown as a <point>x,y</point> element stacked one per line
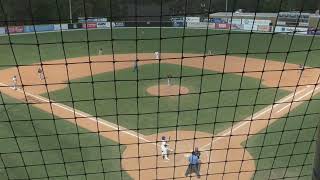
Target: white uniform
<point>14,80</point>
<point>164,148</point>
<point>164,151</point>
<point>100,52</point>
<point>41,74</point>
<point>157,55</point>
<point>163,143</point>
<point>168,81</point>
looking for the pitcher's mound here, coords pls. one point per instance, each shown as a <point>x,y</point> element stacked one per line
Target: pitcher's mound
<point>166,90</point>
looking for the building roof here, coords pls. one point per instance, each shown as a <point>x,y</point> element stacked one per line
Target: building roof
<point>260,15</point>
<point>230,14</point>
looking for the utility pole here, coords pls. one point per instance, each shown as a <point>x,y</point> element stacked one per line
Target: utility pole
<point>226,5</point>
<point>70,11</point>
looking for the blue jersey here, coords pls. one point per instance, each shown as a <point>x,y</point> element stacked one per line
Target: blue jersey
<point>193,159</point>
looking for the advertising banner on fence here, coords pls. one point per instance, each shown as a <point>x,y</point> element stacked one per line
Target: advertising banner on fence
<point>28,29</point>
<point>64,26</point>
<point>280,29</point>
<point>177,19</point>
<point>2,30</point>
<point>262,28</point>
<point>178,24</point>
<point>250,27</point>
<point>260,22</point>
<point>15,29</point>
<point>256,22</point>
<point>301,30</point>
<point>247,21</point>
<point>298,30</point>
<point>89,25</point>
<point>212,25</point>
<point>222,26</point>
<point>41,28</point>
<point>103,24</point>
<point>75,26</point>
<point>58,27</point>
<point>237,26</point>
<point>192,19</point>
<point>234,21</point>
<point>197,24</point>
<point>118,24</point>
<point>218,20</point>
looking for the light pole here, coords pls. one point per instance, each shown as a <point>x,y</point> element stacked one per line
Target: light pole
<point>70,11</point>
<point>226,5</point>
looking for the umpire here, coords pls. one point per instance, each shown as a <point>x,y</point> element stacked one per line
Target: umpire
<point>194,165</point>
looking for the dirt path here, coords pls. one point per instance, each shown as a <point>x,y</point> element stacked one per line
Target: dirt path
<point>223,156</point>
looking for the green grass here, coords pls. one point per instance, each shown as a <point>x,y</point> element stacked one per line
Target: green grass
<point>57,45</point>
<point>39,147</point>
<point>215,113</point>
<point>286,148</point>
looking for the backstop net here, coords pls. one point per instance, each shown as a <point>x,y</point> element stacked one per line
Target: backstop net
<point>110,89</point>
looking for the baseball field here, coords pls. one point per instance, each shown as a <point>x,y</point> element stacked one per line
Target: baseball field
<point>241,98</point>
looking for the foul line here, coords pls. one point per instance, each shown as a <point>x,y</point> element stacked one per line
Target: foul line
<point>85,115</point>
<point>258,114</point>
<point>286,106</point>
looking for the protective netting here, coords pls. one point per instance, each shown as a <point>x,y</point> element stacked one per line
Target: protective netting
<point>109,89</point>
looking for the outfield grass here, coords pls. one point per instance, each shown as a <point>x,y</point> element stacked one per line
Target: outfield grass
<point>286,148</point>
<point>39,147</point>
<point>149,115</point>
<point>57,45</point>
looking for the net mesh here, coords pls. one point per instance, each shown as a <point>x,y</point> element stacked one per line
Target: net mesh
<point>157,90</point>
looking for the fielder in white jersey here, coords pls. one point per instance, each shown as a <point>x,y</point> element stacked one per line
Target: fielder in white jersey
<point>164,148</point>
<point>14,81</point>
<point>157,55</point>
<point>41,73</point>
<point>164,151</point>
<point>100,52</point>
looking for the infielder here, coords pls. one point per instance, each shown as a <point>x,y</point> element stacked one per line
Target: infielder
<point>164,148</point>
<point>100,51</point>
<point>135,65</point>
<point>14,82</point>
<point>165,151</point>
<point>169,79</point>
<point>41,73</point>
<point>301,66</point>
<point>157,55</point>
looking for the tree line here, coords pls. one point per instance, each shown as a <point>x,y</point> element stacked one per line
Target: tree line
<point>54,11</point>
